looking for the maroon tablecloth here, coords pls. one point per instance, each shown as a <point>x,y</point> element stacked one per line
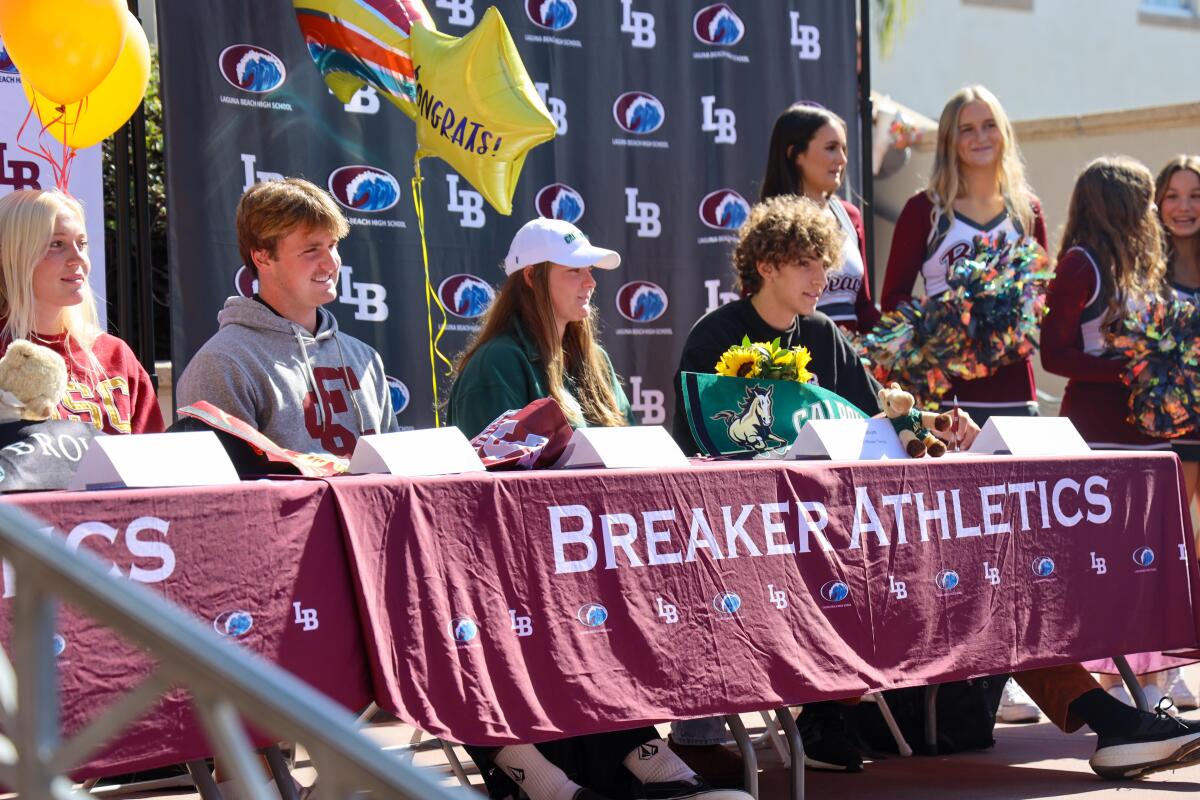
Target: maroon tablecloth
<point>241,557</point>
<point>532,606</point>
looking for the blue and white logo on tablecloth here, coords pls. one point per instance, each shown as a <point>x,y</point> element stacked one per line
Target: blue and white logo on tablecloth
<point>234,624</point>
<point>592,615</point>
<point>1143,556</point>
<point>252,68</point>
<point>1043,566</point>
<point>947,580</point>
<point>835,591</point>
<point>463,629</point>
<point>727,602</point>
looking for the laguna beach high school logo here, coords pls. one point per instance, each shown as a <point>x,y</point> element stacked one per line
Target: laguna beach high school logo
<point>559,201</point>
<point>365,189</point>
<point>639,112</point>
<point>750,425</point>
<point>466,296</point>
<point>251,68</point>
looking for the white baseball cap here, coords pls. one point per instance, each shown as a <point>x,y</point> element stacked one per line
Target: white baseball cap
<point>558,241</point>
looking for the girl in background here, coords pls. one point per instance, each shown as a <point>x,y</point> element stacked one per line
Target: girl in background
<point>45,298</point>
<point>807,157</point>
<point>1177,195</point>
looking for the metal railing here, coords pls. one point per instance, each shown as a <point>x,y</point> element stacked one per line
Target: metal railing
<point>227,685</point>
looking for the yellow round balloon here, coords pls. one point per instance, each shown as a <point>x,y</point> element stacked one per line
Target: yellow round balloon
<point>63,47</point>
<point>110,104</point>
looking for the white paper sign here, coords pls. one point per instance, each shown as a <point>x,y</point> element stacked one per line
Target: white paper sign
<point>154,459</point>
<point>645,446</point>
<point>1030,436</point>
<point>432,451</point>
<point>847,440</point>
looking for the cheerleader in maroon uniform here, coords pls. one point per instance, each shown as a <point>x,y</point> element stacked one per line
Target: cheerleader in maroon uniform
<point>1109,263</point>
<point>808,157</point>
<point>1177,194</point>
<point>977,188</point>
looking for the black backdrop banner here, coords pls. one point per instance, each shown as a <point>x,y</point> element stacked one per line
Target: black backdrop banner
<point>245,103</point>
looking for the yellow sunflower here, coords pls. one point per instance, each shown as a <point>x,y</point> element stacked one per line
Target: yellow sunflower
<point>801,359</point>
<point>739,362</point>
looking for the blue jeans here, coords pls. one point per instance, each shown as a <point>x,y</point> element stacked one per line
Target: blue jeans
<point>709,730</point>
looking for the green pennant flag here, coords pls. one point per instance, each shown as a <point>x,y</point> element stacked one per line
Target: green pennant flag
<point>751,415</point>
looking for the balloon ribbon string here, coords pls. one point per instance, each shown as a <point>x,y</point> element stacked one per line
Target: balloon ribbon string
<point>431,296</point>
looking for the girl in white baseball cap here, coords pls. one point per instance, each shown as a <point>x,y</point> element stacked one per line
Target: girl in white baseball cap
<point>538,338</point>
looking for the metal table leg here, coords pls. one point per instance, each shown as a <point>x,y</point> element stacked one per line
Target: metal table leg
<point>1131,682</point>
<point>931,734</point>
<point>749,757</point>
<point>797,745</point>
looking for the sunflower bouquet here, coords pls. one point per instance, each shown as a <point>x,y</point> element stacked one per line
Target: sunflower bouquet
<point>765,360</point>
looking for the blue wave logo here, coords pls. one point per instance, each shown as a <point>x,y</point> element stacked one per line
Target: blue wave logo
<point>463,629</point>
<point>718,24</point>
<point>1043,566</point>
<point>639,112</point>
<point>835,591</point>
<point>641,301</point>
<point>399,392</point>
<point>7,67</point>
<point>234,624</point>
<point>592,615</point>
<point>1143,556</point>
<point>60,645</point>
<point>559,201</point>
<point>553,15</point>
<point>727,602</point>
<point>252,69</point>
<point>947,580</point>
<point>724,209</point>
<point>363,188</point>
<point>466,296</point>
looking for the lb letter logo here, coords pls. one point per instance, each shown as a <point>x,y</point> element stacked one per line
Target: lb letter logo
<point>252,69</point>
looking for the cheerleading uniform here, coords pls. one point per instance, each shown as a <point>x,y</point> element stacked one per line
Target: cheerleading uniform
<point>1187,447</point>
<point>928,249</point>
<point>847,298</point>
<point>1074,346</point>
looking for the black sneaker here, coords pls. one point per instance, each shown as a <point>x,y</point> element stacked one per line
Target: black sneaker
<point>681,790</point>
<point>828,742</point>
<point>1160,742</point>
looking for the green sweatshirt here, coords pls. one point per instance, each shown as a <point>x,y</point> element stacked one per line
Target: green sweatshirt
<point>507,373</point>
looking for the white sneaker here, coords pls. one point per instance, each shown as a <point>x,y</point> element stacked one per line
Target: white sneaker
<point>1177,689</point>
<point>1119,692</point>
<point>1016,706</point>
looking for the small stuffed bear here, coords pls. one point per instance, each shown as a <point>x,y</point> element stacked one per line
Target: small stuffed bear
<point>912,427</point>
<point>33,379</point>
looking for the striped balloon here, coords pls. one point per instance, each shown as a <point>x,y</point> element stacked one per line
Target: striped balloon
<point>364,42</point>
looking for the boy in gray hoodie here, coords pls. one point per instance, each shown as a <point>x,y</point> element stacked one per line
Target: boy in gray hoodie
<point>278,361</point>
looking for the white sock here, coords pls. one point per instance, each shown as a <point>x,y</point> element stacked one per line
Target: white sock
<point>653,762</point>
<point>536,776</point>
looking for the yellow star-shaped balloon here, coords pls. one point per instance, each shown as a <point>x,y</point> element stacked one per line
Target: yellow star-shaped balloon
<point>477,108</point>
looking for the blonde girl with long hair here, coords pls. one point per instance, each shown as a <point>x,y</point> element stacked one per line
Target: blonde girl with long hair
<point>977,187</point>
<point>45,298</point>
